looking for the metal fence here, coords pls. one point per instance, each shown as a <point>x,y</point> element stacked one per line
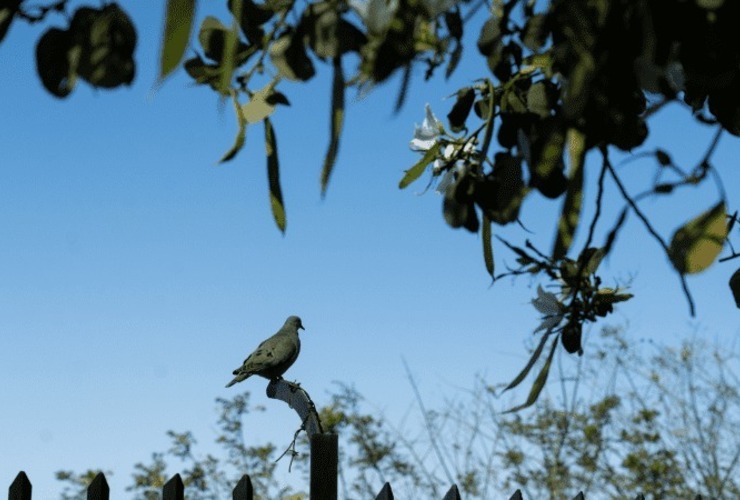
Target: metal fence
<point>323,480</point>
<point>174,489</point>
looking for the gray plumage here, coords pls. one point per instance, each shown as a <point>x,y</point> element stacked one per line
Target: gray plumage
<point>273,356</point>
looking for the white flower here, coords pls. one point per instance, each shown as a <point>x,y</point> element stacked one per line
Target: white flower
<point>426,135</point>
<point>441,163</point>
<point>376,14</point>
<point>450,177</point>
<point>449,152</point>
<point>548,304</point>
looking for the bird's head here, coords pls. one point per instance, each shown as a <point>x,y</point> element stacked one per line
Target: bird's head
<point>295,322</point>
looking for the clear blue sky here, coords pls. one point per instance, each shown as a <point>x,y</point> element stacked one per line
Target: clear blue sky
<point>135,273</point>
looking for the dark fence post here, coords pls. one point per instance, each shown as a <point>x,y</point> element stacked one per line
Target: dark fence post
<point>174,489</point>
<point>20,488</point>
<point>517,495</point>
<point>243,489</point>
<point>98,489</point>
<point>386,493</point>
<point>452,493</point>
<point>324,458</point>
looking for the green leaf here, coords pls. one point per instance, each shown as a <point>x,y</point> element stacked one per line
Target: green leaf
<point>490,36</point>
<point>231,42</point>
<point>735,287</point>
<point>202,72</point>
<point>487,247</point>
<point>663,158</point>
<point>538,101</point>
<point>53,62</point>
<point>288,55</point>
<point>455,57</point>
<point>277,98</point>
<point>578,86</point>
<point>489,117</point>
<point>252,17</point>
<point>535,32</point>
<point>321,23</point>
<point>574,196</point>
<point>502,191</point>
<point>178,25</point>
<point>337,119</point>
<point>7,12</point>
<point>460,111</point>
<point>273,176</point>
<point>261,104</point>
<point>539,382</point>
<point>590,259</point>
<point>551,155</point>
<point>698,243</point>
<point>212,37</point>
<point>107,38</point>
<point>454,23</point>
<point>414,172</point>
<point>241,134</point>
<point>532,360</point>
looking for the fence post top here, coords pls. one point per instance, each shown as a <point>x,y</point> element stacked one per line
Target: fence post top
<point>20,488</point>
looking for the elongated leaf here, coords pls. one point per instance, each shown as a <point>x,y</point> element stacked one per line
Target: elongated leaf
<point>8,9</point>
<point>241,135</point>
<point>532,360</point>
<point>414,172</point>
<point>228,63</point>
<point>488,134</point>
<point>178,25</point>
<point>288,55</point>
<point>487,247</point>
<point>273,176</point>
<point>698,243</point>
<point>454,60</point>
<point>403,89</point>
<point>612,236</point>
<point>337,120</point>
<point>212,37</point>
<point>735,287</point>
<point>574,196</point>
<point>550,158</point>
<point>539,382</point>
<point>460,111</point>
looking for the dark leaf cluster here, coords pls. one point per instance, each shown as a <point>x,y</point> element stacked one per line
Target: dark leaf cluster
<point>97,46</point>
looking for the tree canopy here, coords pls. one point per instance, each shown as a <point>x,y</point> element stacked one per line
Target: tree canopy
<point>558,79</point>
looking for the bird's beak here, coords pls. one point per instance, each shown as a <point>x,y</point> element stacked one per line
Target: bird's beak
<point>301,327</point>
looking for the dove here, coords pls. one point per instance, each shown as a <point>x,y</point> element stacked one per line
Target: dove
<point>273,356</point>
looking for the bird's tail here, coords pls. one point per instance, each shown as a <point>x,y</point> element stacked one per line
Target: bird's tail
<point>238,378</point>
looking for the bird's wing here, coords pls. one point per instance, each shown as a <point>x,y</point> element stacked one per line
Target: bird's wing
<point>269,353</point>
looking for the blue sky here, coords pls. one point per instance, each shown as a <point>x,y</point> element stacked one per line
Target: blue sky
<point>135,273</point>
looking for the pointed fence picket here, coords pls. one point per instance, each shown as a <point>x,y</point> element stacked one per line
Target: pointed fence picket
<point>174,489</point>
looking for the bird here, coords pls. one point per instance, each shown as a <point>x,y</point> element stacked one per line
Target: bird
<point>273,356</point>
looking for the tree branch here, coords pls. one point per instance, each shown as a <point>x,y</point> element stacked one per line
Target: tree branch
<point>650,229</point>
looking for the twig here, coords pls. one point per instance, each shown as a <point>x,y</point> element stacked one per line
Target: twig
<point>650,230</point>
<point>712,147</point>
<point>291,448</point>
<point>597,214</point>
<point>428,424</point>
